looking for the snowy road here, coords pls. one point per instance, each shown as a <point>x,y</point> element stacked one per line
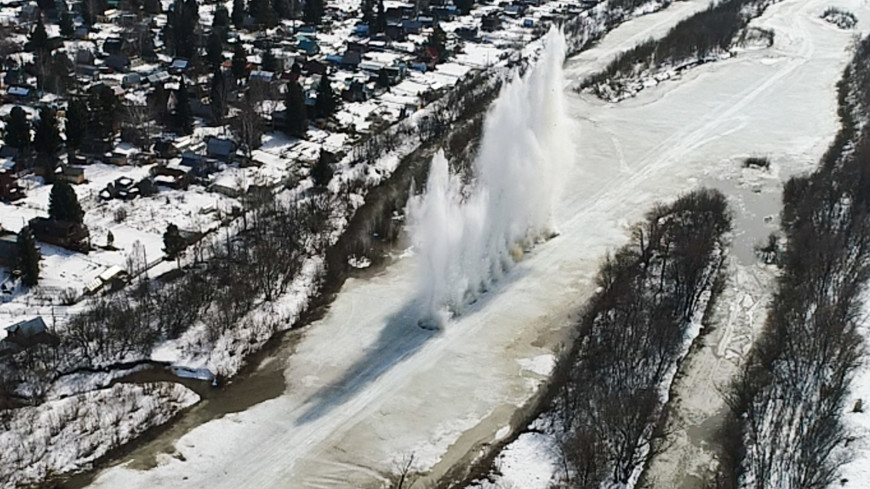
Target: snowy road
<point>365,386</point>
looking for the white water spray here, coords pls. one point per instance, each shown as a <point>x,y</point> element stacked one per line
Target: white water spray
<point>468,240</point>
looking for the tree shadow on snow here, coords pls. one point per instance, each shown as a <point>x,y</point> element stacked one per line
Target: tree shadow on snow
<point>400,338</point>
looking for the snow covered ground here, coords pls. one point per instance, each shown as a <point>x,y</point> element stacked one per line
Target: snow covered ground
<point>365,386</point>
<point>67,434</point>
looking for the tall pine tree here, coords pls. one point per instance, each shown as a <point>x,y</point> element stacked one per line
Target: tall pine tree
<point>173,243</point>
<point>218,95</point>
<point>18,129</point>
<point>183,117</point>
<point>39,38</point>
<point>214,51</point>
<point>104,112</point>
<point>238,15</point>
<point>239,65</point>
<point>380,18</point>
<point>269,61</point>
<point>322,172</point>
<point>76,125</point>
<point>67,26</point>
<point>47,139</point>
<point>28,257</point>
<point>296,124</point>
<point>325,104</point>
<point>313,11</point>
<point>63,204</point>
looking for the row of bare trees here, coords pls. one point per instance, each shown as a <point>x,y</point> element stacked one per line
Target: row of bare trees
<point>632,335</point>
<point>786,428</point>
<point>711,32</point>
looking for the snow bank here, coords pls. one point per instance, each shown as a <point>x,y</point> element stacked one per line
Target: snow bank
<point>68,434</point>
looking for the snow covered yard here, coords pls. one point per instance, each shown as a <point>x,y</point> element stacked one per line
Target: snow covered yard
<point>66,435</point>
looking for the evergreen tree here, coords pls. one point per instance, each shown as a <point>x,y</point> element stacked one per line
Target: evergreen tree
<point>58,75</point>
<point>39,38</point>
<point>214,51</point>
<point>383,78</point>
<point>263,13</point>
<point>183,117</point>
<point>28,257</point>
<point>67,26</point>
<point>380,19</point>
<point>76,123</point>
<point>313,11</point>
<point>218,97</point>
<point>221,17</point>
<point>179,33</point>
<point>282,8</point>
<point>326,103</point>
<point>464,6</point>
<point>104,112</point>
<point>173,243</point>
<point>110,239</point>
<point>152,7</point>
<point>368,13</point>
<point>269,61</point>
<point>238,15</point>
<point>436,41</point>
<point>18,129</point>
<point>297,115</point>
<point>322,172</point>
<point>47,139</point>
<point>63,204</point>
<point>240,63</point>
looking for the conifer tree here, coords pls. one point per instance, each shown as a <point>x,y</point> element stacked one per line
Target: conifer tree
<point>173,243</point>
<point>322,172</point>
<point>380,18</point>
<point>218,97</point>
<point>269,61</point>
<point>183,118</point>
<point>368,13</point>
<point>18,129</point>
<point>221,17</point>
<point>297,115</point>
<point>326,103</point>
<point>67,26</point>
<point>464,6</point>
<point>47,139</point>
<point>39,38</point>
<point>240,63</point>
<point>238,15</point>
<point>63,204</point>
<point>214,51</point>
<point>313,11</point>
<point>28,257</point>
<point>152,7</point>
<point>76,125</point>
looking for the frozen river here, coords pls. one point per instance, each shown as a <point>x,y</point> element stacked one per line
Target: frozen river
<point>365,387</point>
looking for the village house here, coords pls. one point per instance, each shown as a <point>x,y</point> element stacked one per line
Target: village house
<point>10,191</point>
<point>26,334</point>
<point>71,235</point>
<point>70,174</point>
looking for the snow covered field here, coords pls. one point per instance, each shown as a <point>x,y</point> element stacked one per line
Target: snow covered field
<point>365,386</point>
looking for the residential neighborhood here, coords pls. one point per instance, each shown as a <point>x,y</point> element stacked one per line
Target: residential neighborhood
<point>153,126</point>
